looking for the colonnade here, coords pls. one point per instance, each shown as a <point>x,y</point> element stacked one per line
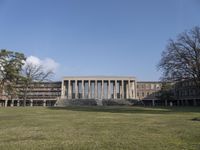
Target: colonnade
<point>98,89</point>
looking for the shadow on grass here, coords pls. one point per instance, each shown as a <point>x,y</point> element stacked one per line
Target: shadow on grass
<point>130,109</point>
<point>196,119</point>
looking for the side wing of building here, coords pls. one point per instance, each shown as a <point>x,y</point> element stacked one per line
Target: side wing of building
<point>148,90</point>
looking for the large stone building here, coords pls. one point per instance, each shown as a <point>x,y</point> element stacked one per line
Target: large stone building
<point>102,88</point>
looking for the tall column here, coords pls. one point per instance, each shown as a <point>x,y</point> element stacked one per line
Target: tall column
<point>102,89</point>
<point>129,88</point>
<point>12,103</point>
<point>89,92</point>
<point>83,90</point>
<point>44,103</point>
<point>132,90</point>
<point>69,90</point>
<point>18,103</point>
<point>31,103</point>
<point>62,92</point>
<point>76,90</point>
<point>115,90</point>
<point>96,89</point>
<point>122,89</point>
<point>108,89</point>
<point>6,103</point>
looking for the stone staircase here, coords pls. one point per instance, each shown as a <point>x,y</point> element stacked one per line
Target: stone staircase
<point>61,102</point>
<point>99,102</point>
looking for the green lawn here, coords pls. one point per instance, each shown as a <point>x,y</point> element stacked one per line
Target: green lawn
<point>90,128</point>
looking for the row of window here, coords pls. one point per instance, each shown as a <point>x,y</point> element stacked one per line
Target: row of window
<point>44,89</point>
<point>44,93</point>
<point>149,86</point>
<point>186,84</point>
<point>145,94</point>
<point>40,86</point>
<point>189,92</point>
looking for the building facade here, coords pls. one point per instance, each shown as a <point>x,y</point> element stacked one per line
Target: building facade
<point>99,87</point>
<point>187,94</point>
<point>38,94</point>
<point>148,92</point>
<point>103,87</point>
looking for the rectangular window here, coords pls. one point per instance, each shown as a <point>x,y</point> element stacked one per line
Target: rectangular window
<point>157,87</point>
<point>152,86</point>
<point>143,86</point>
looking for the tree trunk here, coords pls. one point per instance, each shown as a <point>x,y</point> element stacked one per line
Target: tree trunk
<point>24,102</point>
<point>25,96</point>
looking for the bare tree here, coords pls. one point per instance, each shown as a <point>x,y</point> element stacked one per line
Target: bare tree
<point>33,74</point>
<point>181,59</point>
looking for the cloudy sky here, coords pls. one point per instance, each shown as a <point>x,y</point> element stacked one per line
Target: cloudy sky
<point>95,37</point>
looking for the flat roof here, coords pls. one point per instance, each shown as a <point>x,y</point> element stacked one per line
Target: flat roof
<point>149,82</point>
<point>100,77</point>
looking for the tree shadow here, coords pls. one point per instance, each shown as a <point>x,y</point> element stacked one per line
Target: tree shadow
<point>196,119</point>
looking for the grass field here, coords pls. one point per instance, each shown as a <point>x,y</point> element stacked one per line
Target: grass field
<point>90,128</point>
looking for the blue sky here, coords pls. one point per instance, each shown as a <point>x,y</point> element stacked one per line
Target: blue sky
<point>96,37</point>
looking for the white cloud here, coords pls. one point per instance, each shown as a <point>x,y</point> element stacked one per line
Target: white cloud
<point>33,60</point>
<point>47,63</point>
<point>50,64</point>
